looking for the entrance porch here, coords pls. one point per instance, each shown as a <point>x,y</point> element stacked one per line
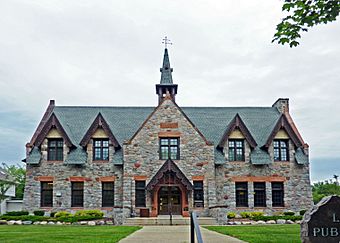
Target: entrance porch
<point>169,190</point>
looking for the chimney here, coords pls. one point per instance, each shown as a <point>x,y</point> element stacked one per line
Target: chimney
<point>282,104</point>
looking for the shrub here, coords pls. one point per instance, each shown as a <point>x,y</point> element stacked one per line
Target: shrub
<point>39,213</point>
<point>302,212</point>
<point>245,215</point>
<point>256,214</point>
<point>231,215</point>
<point>289,213</point>
<point>16,213</point>
<point>52,214</point>
<point>286,217</point>
<point>93,213</point>
<point>63,214</point>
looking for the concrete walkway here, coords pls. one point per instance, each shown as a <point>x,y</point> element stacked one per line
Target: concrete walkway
<point>176,234</point>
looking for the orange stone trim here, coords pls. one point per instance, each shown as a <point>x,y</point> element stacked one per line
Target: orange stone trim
<point>169,125</point>
<point>258,178</point>
<point>106,178</point>
<point>78,179</point>
<point>44,178</point>
<point>198,178</point>
<point>169,134</point>
<point>140,178</point>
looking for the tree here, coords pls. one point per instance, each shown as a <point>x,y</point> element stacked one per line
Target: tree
<point>19,175</point>
<point>323,189</point>
<point>6,181</point>
<point>304,14</point>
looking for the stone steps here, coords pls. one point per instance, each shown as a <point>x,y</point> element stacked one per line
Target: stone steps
<point>166,221</point>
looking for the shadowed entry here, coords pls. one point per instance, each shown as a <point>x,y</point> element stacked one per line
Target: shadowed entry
<point>169,189</point>
<point>170,200</point>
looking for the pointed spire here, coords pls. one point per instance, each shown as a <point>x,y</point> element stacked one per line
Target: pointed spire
<point>166,70</point>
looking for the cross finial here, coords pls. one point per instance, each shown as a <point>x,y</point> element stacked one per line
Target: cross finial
<point>166,42</point>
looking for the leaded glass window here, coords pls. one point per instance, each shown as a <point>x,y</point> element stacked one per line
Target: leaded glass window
<point>236,149</point>
<point>281,150</point>
<point>277,194</point>
<point>77,194</point>
<point>259,194</point>
<point>198,194</point>
<point>55,149</point>
<point>46,195</point>
<point>140,194</point>
<point>108,190</point>
<point>101,149</point>
<point>241,194</point>
<point>169,148</point>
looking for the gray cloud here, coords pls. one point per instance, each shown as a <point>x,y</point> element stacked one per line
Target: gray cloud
<point>109,53</point>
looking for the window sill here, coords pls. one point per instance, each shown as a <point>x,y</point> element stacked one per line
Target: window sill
<point>242,207</point>
<point>107,208</point>
<point>100,161</point>
<point>55,161</point>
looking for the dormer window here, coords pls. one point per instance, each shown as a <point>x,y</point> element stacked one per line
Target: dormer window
<point>55,149</point>
<point>236,149</point>
<point>100,149</point>
<point>281,151</point>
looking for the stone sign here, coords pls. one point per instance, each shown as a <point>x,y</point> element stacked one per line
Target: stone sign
<point>322,223</point>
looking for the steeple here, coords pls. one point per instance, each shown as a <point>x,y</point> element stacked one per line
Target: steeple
<point>166,85</point>
<point>166,77</point>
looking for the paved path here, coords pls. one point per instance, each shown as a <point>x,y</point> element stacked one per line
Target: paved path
<point>176,234</point>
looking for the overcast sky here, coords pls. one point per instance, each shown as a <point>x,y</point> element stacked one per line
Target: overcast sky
<point>109,53</point>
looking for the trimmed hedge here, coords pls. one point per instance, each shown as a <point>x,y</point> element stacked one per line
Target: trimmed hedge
<point>231,215</point>
<point>289,213</point>
<point>39,213</point>
<point>16,213</point>
<point>286,217</point>
<point>93,213</point>
<point>63,214</point>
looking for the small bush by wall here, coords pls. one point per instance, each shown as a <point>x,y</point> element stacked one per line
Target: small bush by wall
<point>16,213</point>
<point>39,213</point>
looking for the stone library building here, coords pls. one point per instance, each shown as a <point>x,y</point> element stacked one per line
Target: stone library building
<point>162,160</point>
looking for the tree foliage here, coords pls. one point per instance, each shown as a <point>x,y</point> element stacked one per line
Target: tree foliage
<point>6,181</point>
<point>326,188</point>
<point>302,15</point>
<point>18,176</point>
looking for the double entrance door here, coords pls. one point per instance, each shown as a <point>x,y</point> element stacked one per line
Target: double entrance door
<point>169,200</point>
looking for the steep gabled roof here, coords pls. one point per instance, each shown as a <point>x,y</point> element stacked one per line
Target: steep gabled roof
<point>181,111</point>
<point>52,122</point>
<point>169,166</point>
<point>237,123</point>
<point>283,123</point>
<point>99,122</point>
<point>43,121</point>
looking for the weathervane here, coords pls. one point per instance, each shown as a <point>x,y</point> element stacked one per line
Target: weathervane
<point>166,42</point>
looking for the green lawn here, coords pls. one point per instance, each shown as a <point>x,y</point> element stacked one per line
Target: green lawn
<point>262,233</point>
<point>59,233</point>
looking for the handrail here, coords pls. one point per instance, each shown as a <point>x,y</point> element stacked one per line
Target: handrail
<point>195,227</point>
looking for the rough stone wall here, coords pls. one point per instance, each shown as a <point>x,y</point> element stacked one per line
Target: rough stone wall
<point>196,156</point>
<point>61,173</point>
<point>297,189</point>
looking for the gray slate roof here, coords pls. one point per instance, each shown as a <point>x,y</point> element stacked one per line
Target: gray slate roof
<point>125,121</point>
